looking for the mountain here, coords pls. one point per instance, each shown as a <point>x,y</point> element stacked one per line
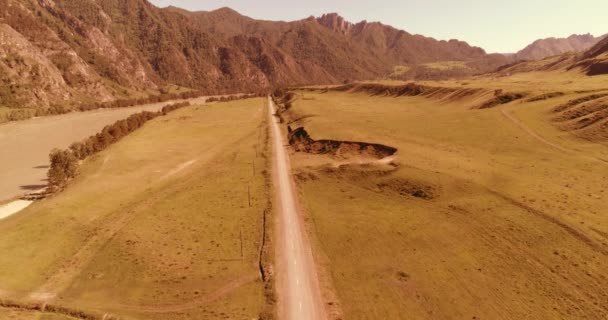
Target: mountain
<point>591,62</point>
<point>398,46</point>
<point>543,48</point>
<point>595,60</point>
<point>58,52</point>
<point>335,44</point>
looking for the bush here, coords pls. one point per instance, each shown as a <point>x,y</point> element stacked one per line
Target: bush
<point>64,166</point>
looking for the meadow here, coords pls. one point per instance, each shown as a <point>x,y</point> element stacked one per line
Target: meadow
<point>481,214</point>
<point>165,224</point>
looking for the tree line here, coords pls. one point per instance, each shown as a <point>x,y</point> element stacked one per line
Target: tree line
<point>56,109</point>
<point>64,163</point>
<point>123,103</point>
<point>236,97</point>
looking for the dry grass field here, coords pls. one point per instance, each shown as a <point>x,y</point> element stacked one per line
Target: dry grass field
<point>26,144</point>
<point>165,224</point>
<point>483,214</point>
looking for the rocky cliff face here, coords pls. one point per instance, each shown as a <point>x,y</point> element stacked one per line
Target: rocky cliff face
<point>335,23</point>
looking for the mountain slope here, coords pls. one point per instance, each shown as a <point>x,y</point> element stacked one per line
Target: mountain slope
<point>543,48</point>
<point>399,46</point>
<point>591,62</point>
<point>59,52</point>
<point>595,60</point>
<point>375,49</point>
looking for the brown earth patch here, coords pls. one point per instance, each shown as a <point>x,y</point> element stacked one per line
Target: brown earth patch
<point>375,178</point>
<point>409,188</point>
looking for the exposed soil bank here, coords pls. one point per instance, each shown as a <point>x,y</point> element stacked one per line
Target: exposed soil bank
<point>54,309</point>
<point>587,117</point>
<point>501,98</point>
<point>411,89</point>
<point>13,207</point>
<point>545,96</point>
<point>492,97</point>
<point>302,142</point>
<point>575,102</point>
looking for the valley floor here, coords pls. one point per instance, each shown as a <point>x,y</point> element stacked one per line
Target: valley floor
<point>416,207</point>
<point>482,214</point>
<point>25,145</point>
<point>165,224</point>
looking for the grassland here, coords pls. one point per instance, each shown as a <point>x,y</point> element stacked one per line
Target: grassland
<point>165,224</point>
<point>25,167</point>
<point>7,314</point>
<point>544,81</point>
<point>525,82</point>
<point>440,66</point>
<point>487,214</point>
<point>4,111</point>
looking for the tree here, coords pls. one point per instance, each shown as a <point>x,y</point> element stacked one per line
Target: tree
<point>64,166</point>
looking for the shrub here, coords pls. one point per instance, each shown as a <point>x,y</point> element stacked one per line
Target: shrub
<point>236,97</point>
<point>64,166</point>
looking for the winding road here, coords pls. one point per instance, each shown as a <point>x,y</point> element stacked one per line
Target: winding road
<point>299,292</point>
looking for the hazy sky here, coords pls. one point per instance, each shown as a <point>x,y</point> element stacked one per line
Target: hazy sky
<point>495,25</point>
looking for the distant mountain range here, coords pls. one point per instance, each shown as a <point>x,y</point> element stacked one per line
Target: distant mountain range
<point>593,61</point>
<point>55,51</point>
<point>61,51</point>
<point>543,48</point>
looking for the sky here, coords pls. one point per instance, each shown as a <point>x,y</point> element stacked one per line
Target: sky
<point>503,26</point>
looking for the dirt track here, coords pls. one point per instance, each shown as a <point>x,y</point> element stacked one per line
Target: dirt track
<point>536,136</point>
<point>25,145</point>
<point>529,131</point>
<point>299,288</point>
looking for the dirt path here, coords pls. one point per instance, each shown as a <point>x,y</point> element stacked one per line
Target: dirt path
<point>529,131</point>
<point>300,295</point>
<point>536,136</point>
<point>204,300</point>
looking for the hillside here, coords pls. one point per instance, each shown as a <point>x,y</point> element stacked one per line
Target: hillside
<point>595,60</point>
<point>475,205</point>
<point>591,62</point>
<point>415,56</point>
<point>543,48</point>
<point>58,52</point>
<point>444,70</point>
<point>397,45</point>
